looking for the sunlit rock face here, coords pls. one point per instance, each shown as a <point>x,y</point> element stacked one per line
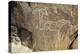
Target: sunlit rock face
<point>53,25</point>
<point>42,26</point>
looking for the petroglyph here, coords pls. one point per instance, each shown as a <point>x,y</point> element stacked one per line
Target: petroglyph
<point>44,26</point>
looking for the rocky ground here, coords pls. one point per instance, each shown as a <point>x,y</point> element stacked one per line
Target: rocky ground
<point>18,48</point>
<point>15,43</point>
